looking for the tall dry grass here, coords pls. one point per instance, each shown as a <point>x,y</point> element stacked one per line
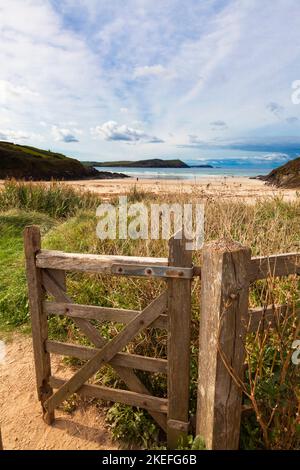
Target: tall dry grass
<point>54,199</point>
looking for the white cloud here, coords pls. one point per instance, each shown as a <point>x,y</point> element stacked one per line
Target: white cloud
<point>274,157</point>
<point>218,125</point>
<point>51,75</point>
<point>9,90</point>
<point>4,120</point>
<point>61,134</point>
<point>149,70</point>
<point>19,135</point>
<point>194,139</point>
<point>111,130</point>
<point>69,123</point>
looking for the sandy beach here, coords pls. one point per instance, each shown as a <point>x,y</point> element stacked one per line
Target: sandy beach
<point>221,187</point>
<point>224,187</point>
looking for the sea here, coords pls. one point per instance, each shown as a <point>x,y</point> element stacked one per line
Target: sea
<point>188,173</point>
<point>229,163</point>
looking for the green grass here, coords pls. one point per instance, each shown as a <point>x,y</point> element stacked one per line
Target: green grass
<point>17,161</point>
<point>67,220</point>
<point>26,204</point>
<point>13,291</point>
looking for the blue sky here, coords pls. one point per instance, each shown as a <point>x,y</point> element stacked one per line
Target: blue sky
<point>142,78</point>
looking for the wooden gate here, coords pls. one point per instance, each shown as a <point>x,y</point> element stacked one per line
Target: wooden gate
<point>171,311</point>
<point>227,271</point>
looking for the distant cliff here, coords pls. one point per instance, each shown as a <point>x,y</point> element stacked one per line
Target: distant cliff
<point>24,162</point>
<point>286,176</point>
<point>201,166</point>
<point>151,163</point>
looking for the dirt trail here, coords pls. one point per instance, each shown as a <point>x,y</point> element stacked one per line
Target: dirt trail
<point>20,412</point>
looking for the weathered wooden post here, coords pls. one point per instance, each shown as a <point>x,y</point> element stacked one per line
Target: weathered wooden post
<point>32,245</point>
<point>179,317</point>
<point>224,306</point>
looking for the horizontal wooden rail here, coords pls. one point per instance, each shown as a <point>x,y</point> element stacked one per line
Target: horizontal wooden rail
<point>275,265</point>
<point>260,267</point>
<point>122,396</point>
<point>116,265</point>
<point>262,317</point>
<point>60,259</point>
<point>132,361</point>
<point>99,313</point>
<point>257,316</point>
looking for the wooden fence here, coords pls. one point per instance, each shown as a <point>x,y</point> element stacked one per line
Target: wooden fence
<point>226,272</point>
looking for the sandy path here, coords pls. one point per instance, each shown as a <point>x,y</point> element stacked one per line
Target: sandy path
<point>20,412</point>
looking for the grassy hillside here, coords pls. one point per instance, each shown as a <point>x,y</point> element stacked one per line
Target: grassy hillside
<point>24,162</point>
<point>151,163</point>
<point>286,176</point>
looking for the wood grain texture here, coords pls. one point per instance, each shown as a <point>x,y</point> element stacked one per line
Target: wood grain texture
<point>133,361</point>
<point>159,405</point>
<point>275,265</point>
<point>39,326</point>
<point>224,311</point>
<point>107,352</point>
<point>179,313</point>
<point>108,264</point>
<point>87,262</point>
<point>99,313</point>
<point>127,375</point>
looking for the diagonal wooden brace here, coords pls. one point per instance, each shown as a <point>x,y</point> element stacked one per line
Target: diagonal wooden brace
<point>56,288</point>
<point>108,351</point>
